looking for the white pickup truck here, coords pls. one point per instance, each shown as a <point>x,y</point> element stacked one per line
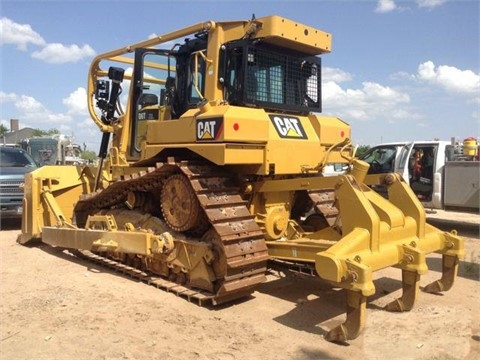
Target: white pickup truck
<point>442,175</point>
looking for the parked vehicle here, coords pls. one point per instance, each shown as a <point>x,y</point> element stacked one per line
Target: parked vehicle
<point>53,150</point>
<point>14,164</point>
<point>443,174</point>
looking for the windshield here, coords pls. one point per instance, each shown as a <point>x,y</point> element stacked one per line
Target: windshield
<point>15,158</point>
<point>381,159</point>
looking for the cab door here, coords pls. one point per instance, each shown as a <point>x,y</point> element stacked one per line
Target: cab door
<point>425,174</point>
<point>402,165</point>
<point>153,80</point>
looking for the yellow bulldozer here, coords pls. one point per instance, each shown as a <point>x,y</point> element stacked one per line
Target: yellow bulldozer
<point>211,171</point>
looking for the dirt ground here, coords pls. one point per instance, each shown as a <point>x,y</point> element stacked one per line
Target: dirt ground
<point>54,306</point>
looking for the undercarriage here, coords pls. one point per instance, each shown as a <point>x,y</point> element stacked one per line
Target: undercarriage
<point>199,231</point>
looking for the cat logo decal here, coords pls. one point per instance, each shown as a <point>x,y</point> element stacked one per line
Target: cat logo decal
<point>209,129</point>
<point>288,127</point>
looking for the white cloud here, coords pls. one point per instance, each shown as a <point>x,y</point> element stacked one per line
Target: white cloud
<point>430,3</point>
<point>74,121</point>
<point>28,104</point>
<point>85,130</point>
<point>377,91</point>
<point>10,97</point>
<point>402,75</point>
<point>336,75</point>
<point>31,111</point>
<point>449,78</point>
<point>399,114</point>
<point>76,102</point>
<point>371,101</point>
<point>384,6</point>
<point>56,53</point>
<point>18,34</point>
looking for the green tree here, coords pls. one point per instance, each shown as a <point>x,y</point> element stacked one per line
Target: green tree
<point>3,129</point>
<point>40,132</point>
<point>88,155</point>
<point>361,150</point>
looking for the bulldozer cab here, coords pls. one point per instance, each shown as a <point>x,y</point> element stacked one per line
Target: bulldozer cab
<point>242,69</point>
<point>252,74</point>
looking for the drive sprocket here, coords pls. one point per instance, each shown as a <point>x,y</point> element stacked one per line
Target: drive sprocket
<point>180,207</point>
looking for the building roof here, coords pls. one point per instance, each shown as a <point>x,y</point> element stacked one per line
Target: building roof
<point>15,137</point>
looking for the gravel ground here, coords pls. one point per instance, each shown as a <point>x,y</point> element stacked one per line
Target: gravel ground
<point>54,306</point>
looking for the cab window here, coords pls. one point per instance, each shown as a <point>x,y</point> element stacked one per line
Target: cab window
<point>197,77</point>
<point>155,71</point>
<point>381,159</point>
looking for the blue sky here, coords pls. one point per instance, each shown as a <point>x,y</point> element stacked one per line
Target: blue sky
<point>398,70</point>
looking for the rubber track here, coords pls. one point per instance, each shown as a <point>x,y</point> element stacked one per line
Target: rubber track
<point>242,241</point>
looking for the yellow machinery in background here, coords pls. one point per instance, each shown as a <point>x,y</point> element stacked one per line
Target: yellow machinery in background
<point>215,171</point>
